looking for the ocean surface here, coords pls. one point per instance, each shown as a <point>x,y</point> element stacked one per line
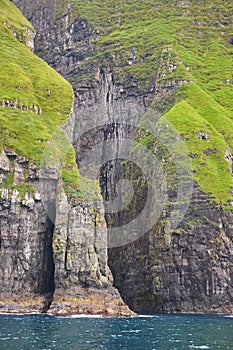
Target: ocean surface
<point>163,332</point>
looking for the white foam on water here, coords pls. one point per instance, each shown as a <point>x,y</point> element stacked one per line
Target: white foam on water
<point>81,316</point>
<point>20,313</point>
<point>152,316</point>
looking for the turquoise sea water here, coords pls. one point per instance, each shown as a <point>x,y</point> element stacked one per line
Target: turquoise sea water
<point>160,332</point>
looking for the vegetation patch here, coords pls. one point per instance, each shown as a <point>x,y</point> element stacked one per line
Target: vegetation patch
<point>34,99</point>
<point>186,45</point>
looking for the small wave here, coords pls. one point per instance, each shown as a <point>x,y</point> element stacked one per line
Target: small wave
<point>144,316</point>
<point>19,313</point>
<point>81,316</point>
<point>199,347</point>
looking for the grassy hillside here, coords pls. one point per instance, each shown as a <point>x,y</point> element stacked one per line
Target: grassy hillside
<point>185,42</point>
<point>34,99</point>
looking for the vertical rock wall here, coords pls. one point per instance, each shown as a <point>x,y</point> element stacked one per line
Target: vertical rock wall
<point>186,270</point>
<point>27,267</point>
<point>65,252</point>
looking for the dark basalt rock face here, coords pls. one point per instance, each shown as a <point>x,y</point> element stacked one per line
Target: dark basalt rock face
<point>27,265</point>
<point>184,270</point>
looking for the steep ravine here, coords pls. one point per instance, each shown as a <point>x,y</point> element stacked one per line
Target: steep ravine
<point>184,270</point>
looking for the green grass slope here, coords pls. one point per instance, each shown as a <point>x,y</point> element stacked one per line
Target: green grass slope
<point>189,43</point>
<point>34,99</point>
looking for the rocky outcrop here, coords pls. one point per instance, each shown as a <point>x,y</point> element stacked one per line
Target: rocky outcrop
<point>188,269</point>
<point>83,279</point>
